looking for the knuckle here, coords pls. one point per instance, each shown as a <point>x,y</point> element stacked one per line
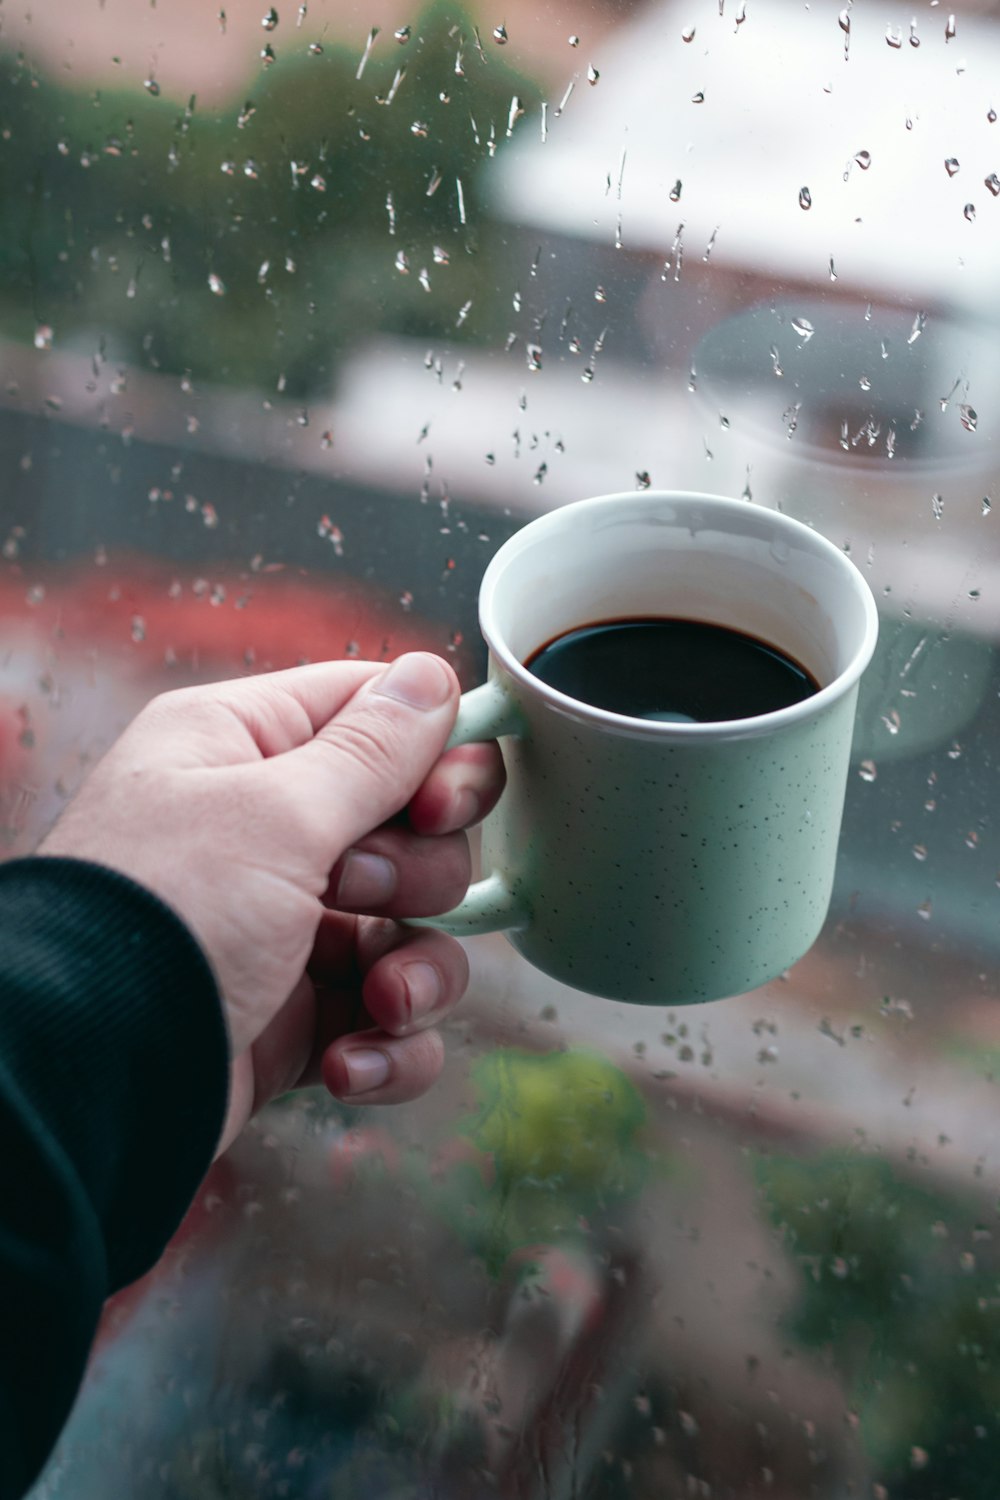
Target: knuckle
<point>424,1054</point>
<point>374,742</point>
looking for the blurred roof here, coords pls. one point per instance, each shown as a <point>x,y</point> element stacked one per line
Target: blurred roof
<point>747,114</point>
<point>213,50</point>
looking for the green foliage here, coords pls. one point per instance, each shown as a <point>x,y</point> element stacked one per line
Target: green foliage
<point>118,208</point>
<point>909,1313</point>
<point>561,1134</point>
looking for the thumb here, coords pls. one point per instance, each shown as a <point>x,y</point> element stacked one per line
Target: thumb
<point>363,766</point>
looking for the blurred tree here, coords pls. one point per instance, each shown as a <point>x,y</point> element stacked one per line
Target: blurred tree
<point>908,1312</point>
<point>265,240</point>
<point>561,1136</point>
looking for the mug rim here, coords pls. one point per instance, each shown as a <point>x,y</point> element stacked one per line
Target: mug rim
<point>709,730</point>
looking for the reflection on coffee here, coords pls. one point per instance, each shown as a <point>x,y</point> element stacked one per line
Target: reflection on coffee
<point>671,670</point>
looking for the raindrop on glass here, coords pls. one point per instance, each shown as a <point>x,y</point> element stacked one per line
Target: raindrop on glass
<point>991,115</point>
<point>993,183</point>
<point>969,211</point>
<point>867,770</point>
<point>600,295</point>
<point>914,39</point>
<point>675,192</point>
<point>803,328</point>
<point>500,35</point>
<point>366,54</point>
<point>268,55</point>
<point>805,198</point>
<point>865,382</point>
<point>987,505</point>
<point>43,336</point>
<point>919,324</point>
<point>270,19</point>
<point>951,165</point>
<point>969,417</point>
<point>699,97</point>
<point>949,29</point>
<point>924,912</point>
<point>893,38</point>
<point>937,506</point>
<point>592,74</point>
<point>574,40</point>
<point>642,479</point>
<point>920,852</point>
<point>152,87</point>
<point>216,284</point>
<point>402,34</point>
<point>402,262</point>
<point>863,159</point>
<point>687,35</point>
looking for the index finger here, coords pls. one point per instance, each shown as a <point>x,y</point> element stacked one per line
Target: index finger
<point>460,789</point>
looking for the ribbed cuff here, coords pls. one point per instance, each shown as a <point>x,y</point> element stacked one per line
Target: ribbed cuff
<point>111,1022</point>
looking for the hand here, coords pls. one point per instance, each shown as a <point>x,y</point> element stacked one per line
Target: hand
<point>264,811</point>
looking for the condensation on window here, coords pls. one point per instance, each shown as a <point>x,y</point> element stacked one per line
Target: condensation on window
<point>305,310</point>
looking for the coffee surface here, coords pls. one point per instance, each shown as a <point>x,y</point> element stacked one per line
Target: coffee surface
<point>672,670</point>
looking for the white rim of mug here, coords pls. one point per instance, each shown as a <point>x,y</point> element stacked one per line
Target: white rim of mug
<point>714,729</point>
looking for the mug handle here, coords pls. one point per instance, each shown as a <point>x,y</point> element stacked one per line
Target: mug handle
<point>489,905</point>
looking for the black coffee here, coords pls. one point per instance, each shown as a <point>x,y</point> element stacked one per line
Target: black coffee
<point>677,671</point>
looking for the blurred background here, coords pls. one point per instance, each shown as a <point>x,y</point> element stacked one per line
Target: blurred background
<point>303,310</point>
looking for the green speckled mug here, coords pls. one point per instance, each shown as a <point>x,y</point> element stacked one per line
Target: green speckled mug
<point>663,863</point>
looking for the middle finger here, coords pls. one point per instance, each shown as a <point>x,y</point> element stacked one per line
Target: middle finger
<point>393,872</point>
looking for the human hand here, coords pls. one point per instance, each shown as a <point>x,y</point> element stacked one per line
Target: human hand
<point>265,812</point>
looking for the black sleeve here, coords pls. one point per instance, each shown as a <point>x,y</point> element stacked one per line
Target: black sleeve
<point>113,1076</point>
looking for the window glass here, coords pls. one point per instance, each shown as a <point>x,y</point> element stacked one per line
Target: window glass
<point>304,310</point>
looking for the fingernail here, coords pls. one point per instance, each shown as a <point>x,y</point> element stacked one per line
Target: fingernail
<point>366,1070</point>
<point>423,989</point>
<point>465,808</point>
<point>366,879</point>
<point>420,680</point>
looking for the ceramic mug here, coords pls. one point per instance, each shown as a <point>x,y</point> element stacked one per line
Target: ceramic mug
<point>651,862</point>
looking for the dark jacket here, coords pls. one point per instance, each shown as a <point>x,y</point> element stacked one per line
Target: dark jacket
<point>113,1079</point>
